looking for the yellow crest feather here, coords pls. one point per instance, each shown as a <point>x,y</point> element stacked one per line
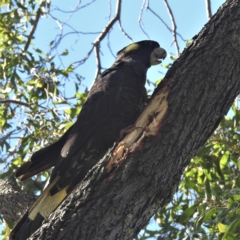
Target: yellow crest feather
<point>131,47</point>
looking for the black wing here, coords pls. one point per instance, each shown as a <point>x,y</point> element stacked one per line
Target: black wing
<point>88,129</point>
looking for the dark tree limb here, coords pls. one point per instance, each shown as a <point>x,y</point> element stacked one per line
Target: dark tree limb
<point>103,35</point>
<point>34,27</point>
<point>139,175</point>
<point>208,8</point>
<point>16,102</point>
<point>13,204</point>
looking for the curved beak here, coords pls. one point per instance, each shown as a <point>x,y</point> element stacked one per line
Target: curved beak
<point>156,56</point>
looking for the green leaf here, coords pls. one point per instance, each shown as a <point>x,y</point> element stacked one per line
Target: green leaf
<point>207,216</point>
<point>231,228</point>
<point>208,192</point>
<point>65,52</point>
<point>204,150</point>
<point>188,213</point>
<point>68,125</point>
<point>222,227</point>
<point>39,51</point>
<point>224,160</point>
<point>232,200</point>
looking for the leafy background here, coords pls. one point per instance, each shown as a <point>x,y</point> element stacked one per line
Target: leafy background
<point>49,53</point>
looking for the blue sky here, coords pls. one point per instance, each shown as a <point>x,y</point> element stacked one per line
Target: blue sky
<point>190,17</point>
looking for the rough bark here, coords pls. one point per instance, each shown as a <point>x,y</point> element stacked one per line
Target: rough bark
<point>13,203</point>
<point>139,176</point>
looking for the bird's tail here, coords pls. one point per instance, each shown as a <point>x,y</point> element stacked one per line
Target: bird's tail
<point>43,159</point>
<point>39,211</point>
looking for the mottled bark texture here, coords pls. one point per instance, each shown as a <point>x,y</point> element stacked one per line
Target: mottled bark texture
<point>13,203</point>
<point>139,176</point>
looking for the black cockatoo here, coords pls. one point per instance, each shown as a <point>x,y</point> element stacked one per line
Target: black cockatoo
<point>113,104</point>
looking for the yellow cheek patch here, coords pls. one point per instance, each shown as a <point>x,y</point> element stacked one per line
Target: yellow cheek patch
<point>131,47</point>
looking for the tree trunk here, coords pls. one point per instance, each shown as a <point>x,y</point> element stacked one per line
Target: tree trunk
<point>13,203</point>
<point>140,175</point>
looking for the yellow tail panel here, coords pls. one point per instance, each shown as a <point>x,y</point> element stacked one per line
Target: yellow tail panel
<point>46,203</point>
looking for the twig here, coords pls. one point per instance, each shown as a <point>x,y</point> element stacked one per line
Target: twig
<point>110,10</point>
<point>155,14</point>
<point>34,27</point>
<point>140,19</point>
<point>62,24</point>
<point>174,26</point>
<point>208,8</point>
<point>103,34</point>
<point>78,63</point>
<point>109,45</point>
<point>16,102</point>
<point>76,9</point>
<point>99,66</point>
<point>123,31</point>
<point>7,136</point>
<point>108,35</point>
<point>96,44</point>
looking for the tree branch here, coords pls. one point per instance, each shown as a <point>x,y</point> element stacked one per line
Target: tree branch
<point>103,34</point>
<point>34,27</point>
<point>174,26</point>
<point>140,19</point>
<point>123,31</point>
<point>208,8</point>
<point>13,204</point>
<point>155,14</point>
<point>16,102</point>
